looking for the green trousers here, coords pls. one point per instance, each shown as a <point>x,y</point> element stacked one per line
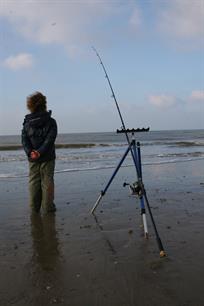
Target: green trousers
<point>41,185</point>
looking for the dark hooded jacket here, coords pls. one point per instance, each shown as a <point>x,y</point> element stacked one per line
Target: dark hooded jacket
<point>39,133</point>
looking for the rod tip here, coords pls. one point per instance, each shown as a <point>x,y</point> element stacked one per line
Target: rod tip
<point>162,254</point>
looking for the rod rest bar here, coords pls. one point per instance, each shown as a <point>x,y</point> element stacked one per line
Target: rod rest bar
<point>132,130</point>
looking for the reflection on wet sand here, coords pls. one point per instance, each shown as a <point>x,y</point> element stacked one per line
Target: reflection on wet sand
<point>45,242</point>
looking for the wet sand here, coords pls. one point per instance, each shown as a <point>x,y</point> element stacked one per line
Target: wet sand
<point>70,259</point>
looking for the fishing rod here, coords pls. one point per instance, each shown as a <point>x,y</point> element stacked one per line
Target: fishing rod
<point>113,94</point>
<point>124,130</point>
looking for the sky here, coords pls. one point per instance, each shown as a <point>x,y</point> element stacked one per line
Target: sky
<point>153,51</point>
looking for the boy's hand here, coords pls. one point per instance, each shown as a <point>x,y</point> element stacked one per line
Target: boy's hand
<point>34,155</point>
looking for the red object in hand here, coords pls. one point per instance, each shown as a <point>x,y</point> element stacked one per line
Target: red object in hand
<point>34,154</point>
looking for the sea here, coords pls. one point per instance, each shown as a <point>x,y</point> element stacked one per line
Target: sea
<point>92,151</point>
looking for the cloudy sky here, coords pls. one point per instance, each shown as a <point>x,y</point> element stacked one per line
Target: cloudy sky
<point>153,51</point>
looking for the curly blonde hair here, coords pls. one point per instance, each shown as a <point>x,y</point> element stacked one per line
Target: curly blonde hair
<point>36,102</point>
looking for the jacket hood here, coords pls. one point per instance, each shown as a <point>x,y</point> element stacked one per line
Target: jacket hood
<point>38,118</point>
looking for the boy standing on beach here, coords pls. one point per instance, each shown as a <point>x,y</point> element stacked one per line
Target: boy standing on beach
<point>38,139</point>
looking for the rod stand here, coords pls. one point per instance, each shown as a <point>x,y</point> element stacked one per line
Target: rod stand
<point>137,189</point>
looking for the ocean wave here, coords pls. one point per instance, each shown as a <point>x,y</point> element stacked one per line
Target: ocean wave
<point>188,154</point>
<point>187,144</point>
<point>58,146</point>
<point>65,146</point>
<point>92,156</point>
<point>15,147</point>
<point>174,143</point>
<point>12,175</point>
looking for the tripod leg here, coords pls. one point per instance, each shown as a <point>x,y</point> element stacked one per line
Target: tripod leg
<point>111,179</point>
<point>96,204</point>
<point>159,242</point>
<point>161,249</point>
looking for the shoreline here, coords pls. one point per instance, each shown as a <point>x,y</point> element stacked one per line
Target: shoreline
<point>108,167</point>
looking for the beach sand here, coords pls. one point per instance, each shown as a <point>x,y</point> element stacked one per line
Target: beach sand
<point>70,259</point>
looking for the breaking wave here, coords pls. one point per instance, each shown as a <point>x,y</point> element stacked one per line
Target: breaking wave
<point>16,147</point>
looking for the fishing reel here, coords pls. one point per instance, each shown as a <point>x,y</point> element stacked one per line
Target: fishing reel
<point>136,188</point>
